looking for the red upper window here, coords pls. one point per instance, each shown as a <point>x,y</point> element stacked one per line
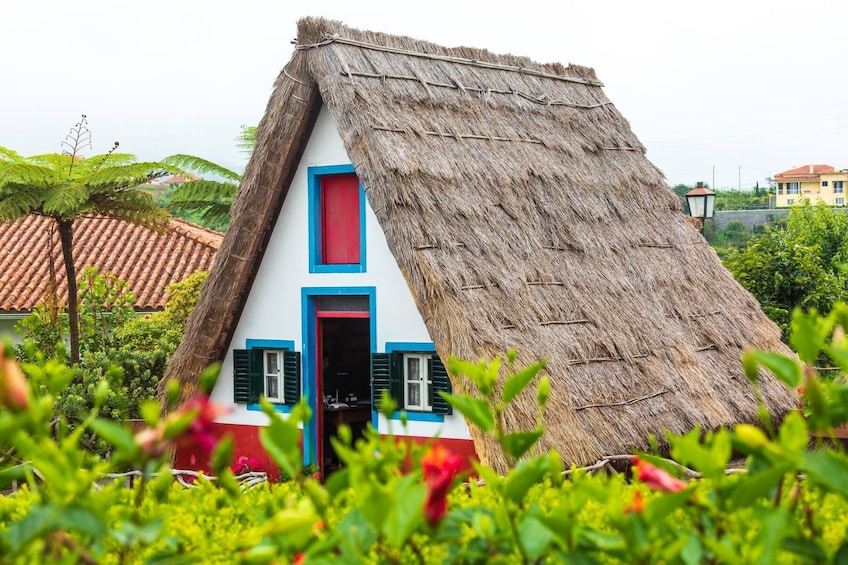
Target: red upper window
<point>340,219</point>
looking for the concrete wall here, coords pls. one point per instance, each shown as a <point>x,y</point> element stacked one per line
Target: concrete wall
<point>749,218</point>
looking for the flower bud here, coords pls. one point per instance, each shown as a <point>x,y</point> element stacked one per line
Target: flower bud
<point>14,388</point>
<point>751,436</point>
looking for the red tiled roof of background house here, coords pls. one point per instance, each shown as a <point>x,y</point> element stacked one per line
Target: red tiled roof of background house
<point>147,260</point>
<point>181,178</point>
<point>805,172</point>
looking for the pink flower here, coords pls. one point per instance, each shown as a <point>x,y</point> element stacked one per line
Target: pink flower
<point>201,431</point>
<point>440,467</point>
<point>14,388</point>
<point>656,478</point>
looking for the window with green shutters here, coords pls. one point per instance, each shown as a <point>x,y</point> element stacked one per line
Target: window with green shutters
<point>413,379</point>
<point>272,373</point>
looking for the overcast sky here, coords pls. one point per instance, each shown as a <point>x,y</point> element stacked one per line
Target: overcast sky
<point>726,92</point>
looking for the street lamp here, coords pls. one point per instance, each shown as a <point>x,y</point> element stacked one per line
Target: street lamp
<point>701,202</point>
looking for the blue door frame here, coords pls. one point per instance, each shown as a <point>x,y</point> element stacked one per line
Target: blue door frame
<point>309,349</point>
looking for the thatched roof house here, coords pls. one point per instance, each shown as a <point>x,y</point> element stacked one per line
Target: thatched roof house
<point>523,213</point>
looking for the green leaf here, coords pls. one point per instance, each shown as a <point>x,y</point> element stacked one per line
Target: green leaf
<point>828,469</point>
<point>475,410</point>
<point>115,434</point>
<point>783,367</point>
<point>519,381</point>
<point>535,538</point>
<point>793,434</point>
<point>355,533</point>
<point>405,514</point>
<point>517,444</point>
<point>760,485</point>
<point>662,505</point>
<point>774,525</point>
<point>522,478</point>
<point>809,334</point>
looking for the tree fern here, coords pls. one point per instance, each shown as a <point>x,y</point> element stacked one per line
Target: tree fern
<point>201,166</point>
<point>67,186</point>
<point>64,200</point>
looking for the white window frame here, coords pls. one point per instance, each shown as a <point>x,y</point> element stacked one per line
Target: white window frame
<point>422,381</point>
<point>268,376</point>
<point>837,186</point>
<point>790,201</point>
<point>840,201</point>
<point>793,188</point>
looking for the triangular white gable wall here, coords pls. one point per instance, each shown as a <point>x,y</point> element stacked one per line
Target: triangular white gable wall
<point>273,308</point>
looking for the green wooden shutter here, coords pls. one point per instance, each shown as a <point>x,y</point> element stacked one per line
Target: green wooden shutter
<point>291,376</point>
<point>385,376</point>
<point>247,375</point>
<point>256,375</point>
<point>241,375</point>
<point>441,382</point>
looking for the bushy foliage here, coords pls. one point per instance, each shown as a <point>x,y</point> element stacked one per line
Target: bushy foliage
<point>163,330</point>
<point>798,264</point>
<point>128,352</point>
<point>399,502</point>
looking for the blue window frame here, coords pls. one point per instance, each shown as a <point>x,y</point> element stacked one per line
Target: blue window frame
<point>317,221</point>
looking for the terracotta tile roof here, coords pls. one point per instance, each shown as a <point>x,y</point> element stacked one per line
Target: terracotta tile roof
<point>179,179</point>
<point>147,260</point>
<point>805,172</point>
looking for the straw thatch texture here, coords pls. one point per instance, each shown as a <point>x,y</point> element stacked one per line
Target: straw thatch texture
<point>523,213</point>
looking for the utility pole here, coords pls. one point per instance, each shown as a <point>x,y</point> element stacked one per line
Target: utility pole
<point>740,177</point>
<point>713,185</point>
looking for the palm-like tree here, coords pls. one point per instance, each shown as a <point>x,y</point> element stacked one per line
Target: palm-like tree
<point>209,200</point>
<point>68,186</point>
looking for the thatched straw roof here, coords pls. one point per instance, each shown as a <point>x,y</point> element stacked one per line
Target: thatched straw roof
<point>524,214</point>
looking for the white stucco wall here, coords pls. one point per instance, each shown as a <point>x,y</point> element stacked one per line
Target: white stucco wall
<point>273,308</point>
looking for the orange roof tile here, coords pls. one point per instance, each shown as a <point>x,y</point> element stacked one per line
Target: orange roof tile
<point>181,178</point>
<point>147,260</point>
<point>805,172</point>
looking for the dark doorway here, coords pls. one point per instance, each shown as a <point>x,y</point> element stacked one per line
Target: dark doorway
<point>344,347</point>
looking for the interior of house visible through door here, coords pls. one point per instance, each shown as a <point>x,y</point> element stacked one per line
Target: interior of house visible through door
<point>343,371</point>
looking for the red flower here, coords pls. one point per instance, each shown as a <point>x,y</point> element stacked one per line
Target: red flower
<point>656,478</point>
<point>440,467</point>
<point>637,505</point>
<point>801,390</point>
<point>299,559</point>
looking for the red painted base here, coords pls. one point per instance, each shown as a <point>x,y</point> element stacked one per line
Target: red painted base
<point>247,443</point>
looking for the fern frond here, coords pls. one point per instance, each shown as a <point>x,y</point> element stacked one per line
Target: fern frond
<point>9,156</point>
<point>24,173</point>
<point>133,206</point>
<point>17,200</point>
<point>201,166</point>
<point>207,191</point>
<point>108,159</point>
<point>246,140</point>
<point>54,161</point>
<point>125,177</point>
<point>65,199</point>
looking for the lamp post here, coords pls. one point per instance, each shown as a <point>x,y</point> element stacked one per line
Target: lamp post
<point>701,202</point>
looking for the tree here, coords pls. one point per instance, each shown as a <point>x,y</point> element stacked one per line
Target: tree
<point>208,202</point>
<point>68,186</point>
<point>798,264</point>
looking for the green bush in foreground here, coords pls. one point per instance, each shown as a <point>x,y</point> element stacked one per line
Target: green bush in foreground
<point>395,502</point>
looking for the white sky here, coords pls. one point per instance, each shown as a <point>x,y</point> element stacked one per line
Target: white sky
<point>726,92</point>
